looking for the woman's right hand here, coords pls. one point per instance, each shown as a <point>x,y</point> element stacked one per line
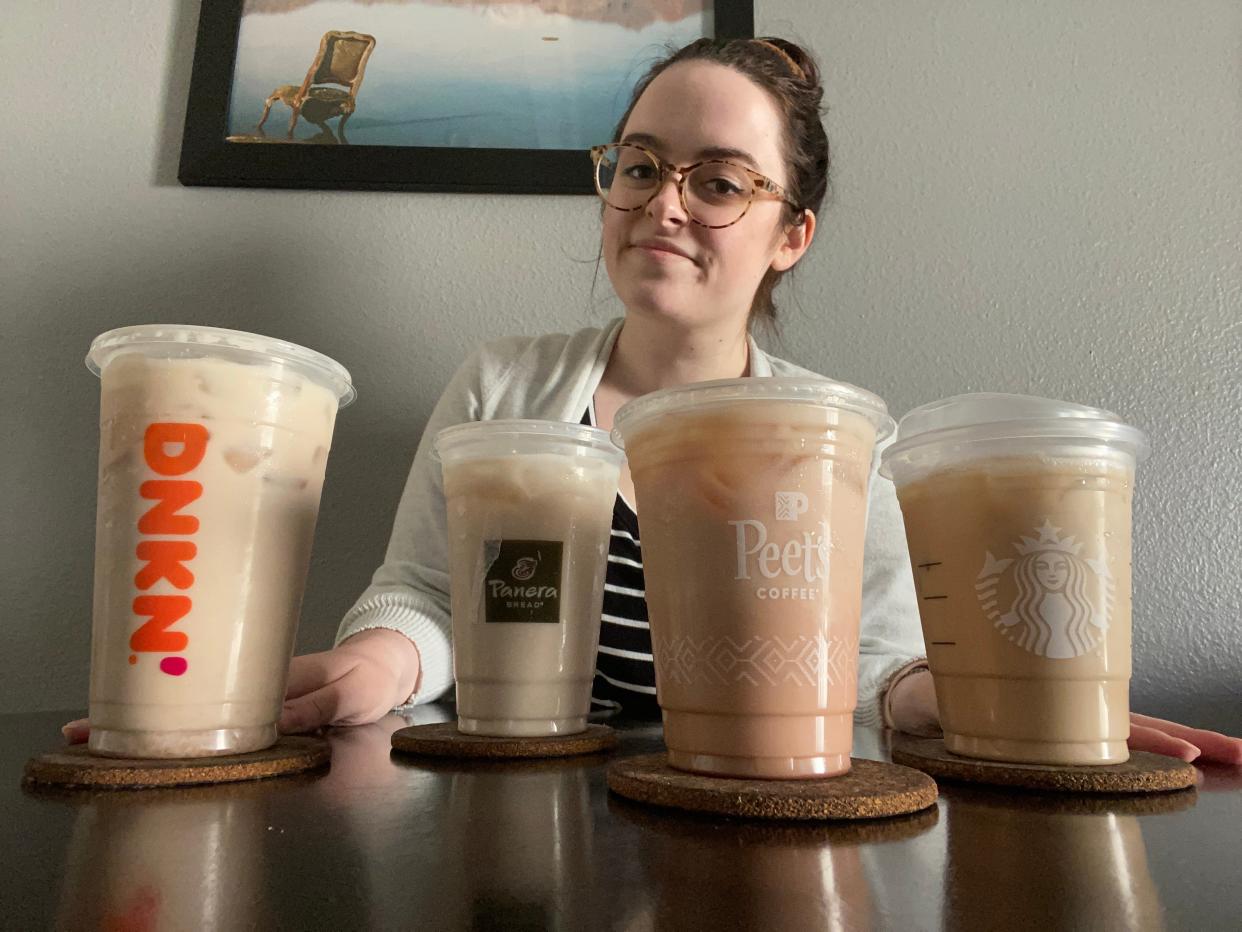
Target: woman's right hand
<point>360,680</point>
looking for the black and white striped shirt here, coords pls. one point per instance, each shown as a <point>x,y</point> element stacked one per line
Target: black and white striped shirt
<point>624,671</point>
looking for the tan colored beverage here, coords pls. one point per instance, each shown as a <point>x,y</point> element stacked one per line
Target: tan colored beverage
<point>1018,513</point>
<point>529,516</point>
<point>213,445</point>
<point>752,497</point>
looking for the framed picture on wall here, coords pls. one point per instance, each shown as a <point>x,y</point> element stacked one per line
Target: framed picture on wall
<point>499,96</point>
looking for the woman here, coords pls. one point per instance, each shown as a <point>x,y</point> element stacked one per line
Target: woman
<point>711,198</point>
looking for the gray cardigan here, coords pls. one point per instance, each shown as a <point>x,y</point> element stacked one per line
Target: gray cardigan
<point>553,377</point>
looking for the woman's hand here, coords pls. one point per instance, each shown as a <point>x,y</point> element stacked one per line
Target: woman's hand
<point>912,707</point>
<point>1161,737</point>
<point>77,731</point>
<point>359,681</point>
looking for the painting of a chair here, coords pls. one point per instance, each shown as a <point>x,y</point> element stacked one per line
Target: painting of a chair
<point>341,60</point>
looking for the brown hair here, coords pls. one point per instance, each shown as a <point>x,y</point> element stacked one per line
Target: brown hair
<point>790,76</point>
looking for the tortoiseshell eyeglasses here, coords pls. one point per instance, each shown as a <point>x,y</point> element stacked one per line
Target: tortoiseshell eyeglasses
<point>714,193</point>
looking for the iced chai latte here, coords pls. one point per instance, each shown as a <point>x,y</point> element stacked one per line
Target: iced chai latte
<point>752,497</point>
<point>529,514</point>
<point>1017,513</point>
<point>212,452</point>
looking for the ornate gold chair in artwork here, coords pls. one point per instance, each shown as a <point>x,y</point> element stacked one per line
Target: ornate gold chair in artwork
<point>341,60</point>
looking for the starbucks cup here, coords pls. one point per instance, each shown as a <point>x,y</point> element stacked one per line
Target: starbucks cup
<point>529,517</point>
<point>211,461</point>
<point>752,498</point>
<point>1017,513</point>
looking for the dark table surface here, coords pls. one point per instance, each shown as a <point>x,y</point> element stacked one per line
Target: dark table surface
<point>381,841</point>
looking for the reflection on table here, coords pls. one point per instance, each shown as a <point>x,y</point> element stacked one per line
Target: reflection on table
<point>1072,861</point>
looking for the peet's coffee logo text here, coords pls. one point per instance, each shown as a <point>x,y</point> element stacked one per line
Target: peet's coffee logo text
<point>799,563</point>
<point>169,450</point>
<point>523,581</point>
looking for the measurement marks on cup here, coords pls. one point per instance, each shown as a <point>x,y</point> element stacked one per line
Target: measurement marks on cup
<point>933,615</point>
<point>926,568</point>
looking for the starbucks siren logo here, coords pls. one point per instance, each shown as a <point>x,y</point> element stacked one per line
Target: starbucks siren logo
<point>1061,601</point>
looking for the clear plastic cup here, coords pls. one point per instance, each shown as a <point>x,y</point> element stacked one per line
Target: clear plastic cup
<point>1017,513</point>
<point>529,519</point>
<point>752,498</point>
<point>212,451</point>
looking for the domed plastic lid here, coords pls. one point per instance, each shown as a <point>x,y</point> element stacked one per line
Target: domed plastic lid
<point>961,421</point>
<point>181,341</point>
<point>820,392</point>
<point>524,436</point>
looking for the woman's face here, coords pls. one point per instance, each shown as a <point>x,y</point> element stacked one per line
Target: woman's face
<point>660,262</point>
<point>1052,571</point>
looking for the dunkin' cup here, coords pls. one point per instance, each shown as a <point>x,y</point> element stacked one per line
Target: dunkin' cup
<point>1017,513</point>
<point>529,508</point>
<point>752,499</point>
<point>212,450</point>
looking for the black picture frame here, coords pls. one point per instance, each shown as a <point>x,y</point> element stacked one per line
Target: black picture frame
<point>207,159</point>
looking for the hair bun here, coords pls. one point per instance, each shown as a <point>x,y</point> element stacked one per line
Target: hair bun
<point>800,62</point>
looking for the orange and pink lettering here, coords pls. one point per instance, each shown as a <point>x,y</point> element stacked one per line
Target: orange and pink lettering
<point>169,449</point>
<point>164,611</point>
<point>171,495</point>
<point>191,437</point>
<point>165,560</point>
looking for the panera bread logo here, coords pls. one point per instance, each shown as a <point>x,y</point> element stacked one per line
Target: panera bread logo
<point>523,581</point>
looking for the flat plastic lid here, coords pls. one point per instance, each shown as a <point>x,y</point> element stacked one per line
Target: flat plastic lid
<point>516,432</point>
<point>808,391</point>
<point>186,341</point>
<point>987,416</point>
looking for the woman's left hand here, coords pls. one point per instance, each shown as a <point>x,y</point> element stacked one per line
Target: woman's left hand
<point>912,705</point>
<point>1161,737</point>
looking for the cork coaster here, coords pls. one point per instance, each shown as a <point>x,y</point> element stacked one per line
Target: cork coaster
<point>77,767</point>
<point>442,739</point>
<point>705,827</point>
<point>870,790</point>
<point>1142,773</point>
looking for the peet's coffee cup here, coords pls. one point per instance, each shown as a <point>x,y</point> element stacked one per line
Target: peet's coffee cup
<point>529,509</point>
<point>212,451</point>
<point>1017,513</point>
<point>752,497</point>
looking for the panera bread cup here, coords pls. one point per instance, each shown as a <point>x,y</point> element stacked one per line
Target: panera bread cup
<point>752,500</point>
<point>1017,513</point>
<point>529,520</point>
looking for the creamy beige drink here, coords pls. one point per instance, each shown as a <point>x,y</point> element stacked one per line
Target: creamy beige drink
<point>529,514</point>
<point>1019,534</point>
<point>752,496</point>
<point>212,453</point>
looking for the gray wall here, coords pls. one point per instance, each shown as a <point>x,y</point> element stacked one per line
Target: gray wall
<point>1039,198</point>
